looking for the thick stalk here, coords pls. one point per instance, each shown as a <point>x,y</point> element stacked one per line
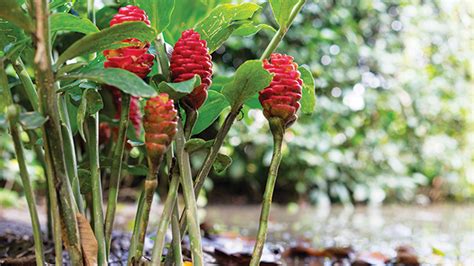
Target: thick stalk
<point>53,142</point>
<point>25,179</point>
<point>13,116</point>
<point>170,204</point>
<point>189,197</point>
<point>27,83</point>
<point>134,239</point>
<point>282,31</point>
<point>278,131</point>
<point>96,184</point>
<point>116,170</point>
<point>141,221</point>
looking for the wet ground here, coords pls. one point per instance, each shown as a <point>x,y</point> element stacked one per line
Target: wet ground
<point>439,234</point>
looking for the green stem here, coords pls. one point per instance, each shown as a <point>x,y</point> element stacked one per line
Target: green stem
<point>191,118</point>
<point>134,239</point>
<point>116,170</point>
<point>159,43</point>
<point>278,130</point>
<point>27,83</point>
<point>91,10</point>
<point>70,153</point>
<point>176,242</point>
<point>53,142</point>
<point>170,204</point>
<point>13,117</point>
<point>282,31</point>
<point>96,184</point>
<point>209,161</point>
<point>141,221</point>
<point>189,197</point>
<point>25,179</point>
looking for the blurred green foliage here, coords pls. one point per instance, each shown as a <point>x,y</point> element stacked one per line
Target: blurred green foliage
<point>393,111</point>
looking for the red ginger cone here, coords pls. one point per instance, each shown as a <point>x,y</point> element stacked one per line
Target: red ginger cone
<point>160,122</point>
<point>281,98</point>
<point>133,58</point>
<point>190,57</point>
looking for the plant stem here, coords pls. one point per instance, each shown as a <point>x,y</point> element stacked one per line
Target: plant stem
<point>25,179</point>
<point>96,184</point>
<point>170,204</point>
<point>282,31</point>
<point>277,130</point>
<point>53,142</point>
<point>160,48</point>
<point>189,197</point>
<point>141,221</point>
<point>134,239</point>
<point>176,242</point>
<point>116,170</point>
<point>13,117</point>
<point>70,153</point>
<point>209,161</point>
<point>27,83</point>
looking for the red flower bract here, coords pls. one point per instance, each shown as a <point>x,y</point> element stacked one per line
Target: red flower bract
<point>281,97</point>
<point>160,123</point>
<point>134,58</point>
<point>191,57</point>
<point>129,13</point>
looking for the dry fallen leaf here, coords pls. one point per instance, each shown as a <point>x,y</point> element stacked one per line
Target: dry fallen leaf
<point>88,241</point>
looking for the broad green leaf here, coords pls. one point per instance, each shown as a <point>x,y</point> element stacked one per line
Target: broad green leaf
<point>10,35</point>
<point>68,22</point>
<point>32,120</point>
<point>249,79</point>
<point>11,11</point>
<point>222,162</point>
<point>85,184</point>
<point>178,90</point>
<point>210,111</point>
<point>249,29</point>
<point>107,38</point>
<point>197,144</point>
<point>91,103</point>
<point>222,21</point>
<point>158,11</point>
<point>308,99</point>
<point>116,77</point>
<point>253,102</point>
<point>282,10</point>
<point>136,170</point>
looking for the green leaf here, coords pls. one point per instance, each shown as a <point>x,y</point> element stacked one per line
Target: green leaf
<point>197,144</point>
<point>222,162</point>
<point>282,10</point>
<point>308,99</point>
<point>85,183</point>
<point>32,120</point>
<point>249,79</point>
<point>137,170</point>
<point>91,103</point>
<point>178,90</point>
<point>210,111</point>
<point>107,38</point>
<point>11,11</point>
<point>158,11</point>
<point>222,21</point>
<point>249,29</point>
<point>134,143</point>
<point>10,35</point>
<point>68,22</point>
<point>116,77</point>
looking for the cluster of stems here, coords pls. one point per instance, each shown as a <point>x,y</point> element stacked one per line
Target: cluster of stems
<point>58,156</point>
